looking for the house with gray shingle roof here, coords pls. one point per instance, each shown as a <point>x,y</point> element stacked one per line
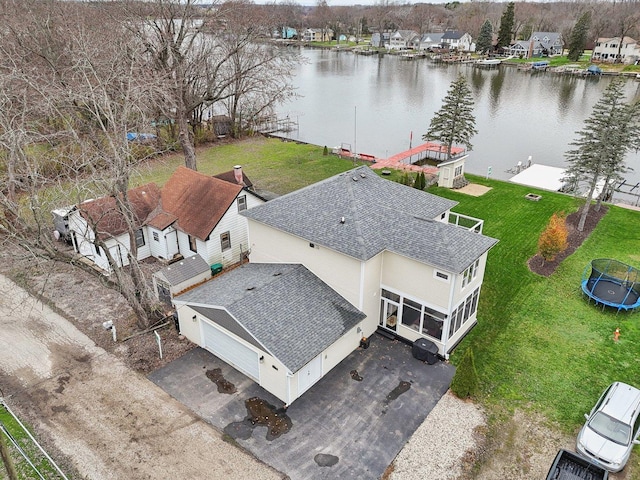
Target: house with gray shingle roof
<point>540,44</point>
<point>277,323</point>
<point>370,254</point>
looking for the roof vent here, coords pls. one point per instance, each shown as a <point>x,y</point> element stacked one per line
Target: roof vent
<point>362,175</point>
<point>277,274</point>
<point>355,179</point>
<point>341,219</point>
<point>250,288</point>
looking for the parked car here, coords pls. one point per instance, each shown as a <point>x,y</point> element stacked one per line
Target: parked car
<point>612,428</point>
<point>570,466</point>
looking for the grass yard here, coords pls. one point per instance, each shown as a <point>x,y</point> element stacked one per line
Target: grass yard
<point>538,343</point>
<point>23,468</point>
<point>274,165</point>
<point>539,346</point>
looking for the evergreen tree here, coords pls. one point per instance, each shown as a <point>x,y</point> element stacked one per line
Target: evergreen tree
<point>485,38</point>
<point>608,134</point>
<point>578,38</point>
<point>465,381</point>
<point>420,182</point>
<point>506,26</point>
<point>454,122</point>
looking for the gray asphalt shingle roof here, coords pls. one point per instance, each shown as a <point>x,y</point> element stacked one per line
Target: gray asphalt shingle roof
<point>289,310</point>
<point>379,215</point>
<point>185,269</point>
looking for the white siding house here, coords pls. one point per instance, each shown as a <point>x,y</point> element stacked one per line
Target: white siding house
<point>386,254</point>
<point>613,50</point>
<point>192,214</point>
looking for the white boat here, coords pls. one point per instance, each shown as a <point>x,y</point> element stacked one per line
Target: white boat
<point>489,62</point>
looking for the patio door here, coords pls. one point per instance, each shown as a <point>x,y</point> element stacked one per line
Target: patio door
<point>389,314</point>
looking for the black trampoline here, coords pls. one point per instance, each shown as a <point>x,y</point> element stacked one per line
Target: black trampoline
<point>612,283</point>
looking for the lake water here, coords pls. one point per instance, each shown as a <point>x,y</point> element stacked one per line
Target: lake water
<point>375,105</point>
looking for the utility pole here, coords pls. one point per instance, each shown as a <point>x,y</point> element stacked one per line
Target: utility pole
<point>6,458</point>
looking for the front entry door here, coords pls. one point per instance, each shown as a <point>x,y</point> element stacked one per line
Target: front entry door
<point>389,314</point>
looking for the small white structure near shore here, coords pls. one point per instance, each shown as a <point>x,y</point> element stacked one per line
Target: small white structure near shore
<point>541,176</point>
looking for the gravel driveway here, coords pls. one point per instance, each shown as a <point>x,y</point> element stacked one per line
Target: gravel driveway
<point>102,418</point>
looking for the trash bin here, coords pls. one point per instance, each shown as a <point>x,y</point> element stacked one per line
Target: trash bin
<point>425,351</point>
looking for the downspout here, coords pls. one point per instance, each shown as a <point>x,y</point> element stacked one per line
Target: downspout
<point>447,324</point>
<point>289,377</point>
<point>361,292</point>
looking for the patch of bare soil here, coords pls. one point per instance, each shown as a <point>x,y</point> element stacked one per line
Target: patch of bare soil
<point>575,238</point>
<point>87,300</point>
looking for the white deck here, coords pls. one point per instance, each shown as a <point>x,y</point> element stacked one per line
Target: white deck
<point>540,176</point>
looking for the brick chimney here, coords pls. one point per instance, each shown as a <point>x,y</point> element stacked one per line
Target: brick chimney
<point>237,174</point>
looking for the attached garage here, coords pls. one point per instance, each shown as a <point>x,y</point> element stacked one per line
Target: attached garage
<point>227,348</point>
<point>278,324</point>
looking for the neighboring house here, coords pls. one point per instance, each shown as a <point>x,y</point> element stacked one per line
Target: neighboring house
<point>402,39</point>
<point>193,213</point>
<point>288,33</point>
<point>277,323</point>
<point>430,40</point>
<point>610,50</point>
<point>317,35</point>
<point>460,41</point>
<point>541,44</point>
<point>377,42</point>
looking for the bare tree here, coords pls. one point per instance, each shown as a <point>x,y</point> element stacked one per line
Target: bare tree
<point>89,78</point>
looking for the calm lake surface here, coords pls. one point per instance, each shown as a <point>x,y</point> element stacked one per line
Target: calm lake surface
<point>374,104</point>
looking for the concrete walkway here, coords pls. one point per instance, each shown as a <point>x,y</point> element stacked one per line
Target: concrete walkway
<point>350,425</point>
<point>95,416</point>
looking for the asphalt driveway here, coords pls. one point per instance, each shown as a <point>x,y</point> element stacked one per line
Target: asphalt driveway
<point>351,424</point>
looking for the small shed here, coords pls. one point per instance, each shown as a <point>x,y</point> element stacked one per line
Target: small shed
<point>179,276</point>
<point>450,170</point>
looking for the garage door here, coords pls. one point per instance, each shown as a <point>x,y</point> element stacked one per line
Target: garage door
<point>231,351</point>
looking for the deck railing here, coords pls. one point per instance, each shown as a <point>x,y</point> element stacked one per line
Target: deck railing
<point>470,223</point>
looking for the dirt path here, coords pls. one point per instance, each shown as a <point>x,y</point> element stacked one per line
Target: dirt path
<point>107,421</point>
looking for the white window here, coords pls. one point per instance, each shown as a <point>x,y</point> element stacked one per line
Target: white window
<point>193,244</point>
<point>156,237</point>
<point>242,203</point>
<point>139,238</point>
<point>463,312</point>
<point>225,241</point>
<point>470,273</point>
<point>458,171</point>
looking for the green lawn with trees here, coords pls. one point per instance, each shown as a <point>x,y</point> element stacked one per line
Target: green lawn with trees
<point>538,344</point>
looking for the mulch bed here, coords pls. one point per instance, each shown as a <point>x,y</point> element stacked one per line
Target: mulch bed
<point>575,238</point>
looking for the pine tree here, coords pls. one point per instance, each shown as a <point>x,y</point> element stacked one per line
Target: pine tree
<point>465,381</point>
<point>485,38</point>
<point>454,122</point>
<point>578,38</point>
<point>608,134</point>
<point>553,239</point>
<point>506,26</point>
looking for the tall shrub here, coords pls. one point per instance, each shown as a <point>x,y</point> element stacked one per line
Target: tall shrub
<point>553,239</point>
<point>465,381</point>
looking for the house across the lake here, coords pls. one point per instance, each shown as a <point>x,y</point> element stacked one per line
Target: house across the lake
<point>332,263</point>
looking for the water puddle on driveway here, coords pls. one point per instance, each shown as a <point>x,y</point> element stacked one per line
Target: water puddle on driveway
<point>325,460</point>
<point>402,387</point>
<point>260,413</point>
<point>224,385</point>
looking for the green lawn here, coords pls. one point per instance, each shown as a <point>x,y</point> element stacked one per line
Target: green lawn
<point>538,344</point>
<point>23,468</point>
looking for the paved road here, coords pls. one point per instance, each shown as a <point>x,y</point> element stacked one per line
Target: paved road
<point>108,421</point>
